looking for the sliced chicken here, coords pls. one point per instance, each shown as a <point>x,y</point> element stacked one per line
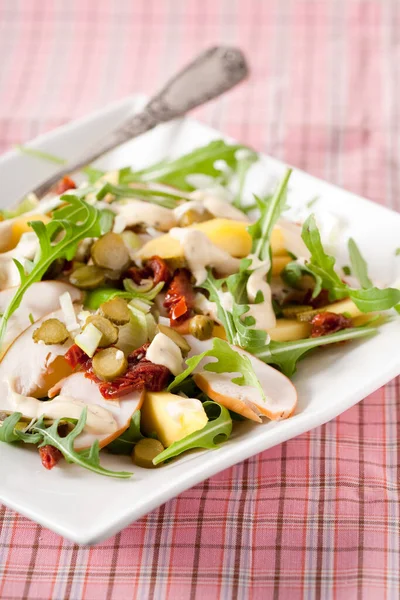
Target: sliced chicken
<point>280,394</point>
<point>34,367</point>
<point>39,300</point>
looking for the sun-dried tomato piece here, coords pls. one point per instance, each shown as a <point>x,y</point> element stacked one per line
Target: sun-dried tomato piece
<point>66,183</point>
<point>179,299</point>
<point>328,322</point>
<point>141,374</point>
<point>50,456</point>
<point>155,268</point>
<point>76,356</point>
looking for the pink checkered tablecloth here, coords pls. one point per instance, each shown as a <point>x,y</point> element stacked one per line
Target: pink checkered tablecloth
<point>317,517</point>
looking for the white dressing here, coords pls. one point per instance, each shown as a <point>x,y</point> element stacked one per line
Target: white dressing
<point>218,205</point>
<point>263,312</point>
<point>163,351</point>
<point>206,307</point>
<point>134,212</point>
<point>99,420</point>
<point>293,241</point>
<point>178,409</point>
<point>200,253</point>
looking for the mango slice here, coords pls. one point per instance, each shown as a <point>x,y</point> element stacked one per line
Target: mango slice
<point>171,417</point>
<point>12,230</point>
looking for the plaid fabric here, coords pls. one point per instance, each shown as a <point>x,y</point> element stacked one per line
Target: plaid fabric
<point>317,517</point>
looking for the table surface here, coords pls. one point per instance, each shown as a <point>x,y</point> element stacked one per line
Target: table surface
<point>317,517</point>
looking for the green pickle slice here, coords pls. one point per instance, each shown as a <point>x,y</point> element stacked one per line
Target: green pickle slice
<point>51,331</point>
<point>108,329</point>
<point>116,310</point>
<point>110,363</point>
<point>144,452</point>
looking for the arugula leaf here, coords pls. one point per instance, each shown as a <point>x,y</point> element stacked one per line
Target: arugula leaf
<point>41,154</point>
<point>7,429</point>
<point>293,272</point>
<point>88,459</point>
<point>358,265</point>
<point>270,211</point>
<point>286,354</point>
<point>106,220</point>
<point>148,194</point>
<point>77,221</point>
<point>242,169</point>
<point>321,264</point>
<point>216,431</point>
<point>229,360</point>
<point>201,160</point>
<point>397,252</point>
<point>125,442</point>
<point>93,174</point>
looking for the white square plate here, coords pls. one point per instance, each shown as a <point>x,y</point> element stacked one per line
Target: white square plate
<point>88,508</point>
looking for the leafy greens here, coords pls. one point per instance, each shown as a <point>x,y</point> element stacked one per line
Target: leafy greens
<point>322,265</point>
<point>175,172</point>
<point>229,360</point>
<point>57,239</point>
<point>217,430</point>
<point>42,435</point>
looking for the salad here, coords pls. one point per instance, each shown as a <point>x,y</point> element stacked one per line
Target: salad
<point>148,312</point>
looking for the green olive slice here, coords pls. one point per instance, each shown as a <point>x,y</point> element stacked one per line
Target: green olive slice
<point>87,277</point>
<point>110,252</point>
<point>144,452</point>
<point>201,327</point>
<point>308,315</point>
<point>109,364</point>
<point>108,329</point>
<point>51,331</point>
<point>175,337</point>
<point>116,310</point>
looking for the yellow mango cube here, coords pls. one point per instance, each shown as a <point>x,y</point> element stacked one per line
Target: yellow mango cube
<point>171,417</point>
<point>287,330</point>
<point>12,230</point>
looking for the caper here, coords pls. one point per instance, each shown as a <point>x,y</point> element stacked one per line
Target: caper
<point>51,331</point>
<point>175,337</point>
<point>110,252</point>
<point>291,311</point>
<point>194,216</point>
<point>116,310</point>
<point>108,329</point>
<point>144,452</point>
<point>87,277</point>
<point>201,327</point>
<point>109,364</point>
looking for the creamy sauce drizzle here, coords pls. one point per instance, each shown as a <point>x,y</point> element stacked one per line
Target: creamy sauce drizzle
<point>99,420</point>
<point>217,206</point>
<point>134,212</point>
<point>263,312</point>
<point>179,408</point>
<point>200,253</point>
<point>163,351</point>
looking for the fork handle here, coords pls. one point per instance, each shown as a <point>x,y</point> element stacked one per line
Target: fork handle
<point>212,73</point>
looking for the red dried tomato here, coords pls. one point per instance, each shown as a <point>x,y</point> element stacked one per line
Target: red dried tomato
<point>141,374</point>
<point>66,183</point>
<point>155,268</point>
<point>76,356</point>
<point>50,456</point>
<point>179,299</point>
<point>328,322</point>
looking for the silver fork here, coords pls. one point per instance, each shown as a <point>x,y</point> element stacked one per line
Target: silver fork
<point>212,73</point>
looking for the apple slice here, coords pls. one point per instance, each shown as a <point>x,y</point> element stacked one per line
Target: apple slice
<point>34,368</point>
<point>280,394</point>
<point>79,388</point>
<point>40,299</point>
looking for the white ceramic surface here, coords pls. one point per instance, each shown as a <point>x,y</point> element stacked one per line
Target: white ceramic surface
<point>87,508</point>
